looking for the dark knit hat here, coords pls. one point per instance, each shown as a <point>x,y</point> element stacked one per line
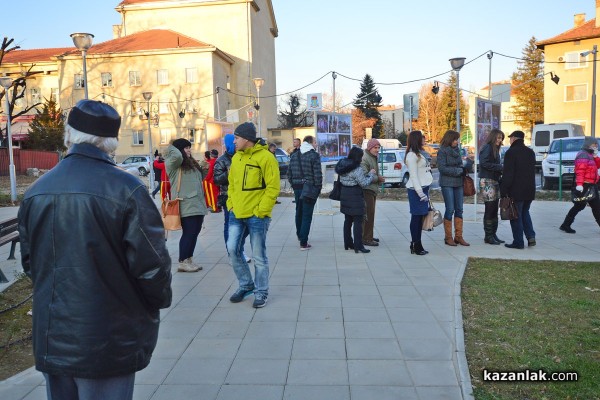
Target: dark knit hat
<point>247,130</point>
<point>95,118</point>
<point>517,135</point>
<point>588,142</point>
<point>214,153</point>
<point>181,144</point>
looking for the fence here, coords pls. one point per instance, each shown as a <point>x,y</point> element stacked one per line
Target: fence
<point>24,159</point>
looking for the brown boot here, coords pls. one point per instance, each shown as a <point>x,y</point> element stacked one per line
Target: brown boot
<point>458,232</point>
<point>448,233</point>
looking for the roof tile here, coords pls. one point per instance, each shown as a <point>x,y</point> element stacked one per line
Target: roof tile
<point>586,31</point>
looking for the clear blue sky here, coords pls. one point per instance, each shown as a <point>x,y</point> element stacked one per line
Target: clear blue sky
<point>393,40</point>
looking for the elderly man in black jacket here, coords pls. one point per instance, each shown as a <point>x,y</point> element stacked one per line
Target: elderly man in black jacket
<point>518,182</point>
<point>92,241</point>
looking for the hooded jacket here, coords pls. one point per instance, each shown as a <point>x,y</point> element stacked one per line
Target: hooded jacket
<point>190,192</point>
<point>353,179</point>
<point>311,165</point>
<point>253,182</point>
<point>96,253</point>
<point>222,165</point>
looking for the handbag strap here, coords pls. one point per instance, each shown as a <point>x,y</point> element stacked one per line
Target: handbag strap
<point>179,180</point>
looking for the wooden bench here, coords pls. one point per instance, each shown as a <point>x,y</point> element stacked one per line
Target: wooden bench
<point>9,233</point>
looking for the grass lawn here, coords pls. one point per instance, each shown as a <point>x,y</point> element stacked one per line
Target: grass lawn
<point>532,315</point>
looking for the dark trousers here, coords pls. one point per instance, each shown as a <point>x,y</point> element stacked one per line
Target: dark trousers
<point>369,221</point>
<point>594,205</point>
<point>156,189</point>
<point>298,217</point>
<point>190,227</point>
<point>522,224</point>
<point>349,222</point>
<point>491,210</point>
<point>416,226</point>
<point>308,206</point>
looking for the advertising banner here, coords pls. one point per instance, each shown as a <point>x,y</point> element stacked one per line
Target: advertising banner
<point>334,135</point>
<point>487,118</point>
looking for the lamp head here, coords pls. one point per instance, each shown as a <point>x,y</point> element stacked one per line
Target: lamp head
<point>6,82</point>
<point>181,113</point>
<point>457,63</point>
<point>334,75</point>
<point>436,88</point>
<point>258,82</point>
<point>554,78</point>
<point>490,54</point>
<point>83,41</point>
<point>147,96</point>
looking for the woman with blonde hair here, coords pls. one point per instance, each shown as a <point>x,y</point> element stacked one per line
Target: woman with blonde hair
<point>419,169</point>
<point>449,163</point>
<point>489,183</point>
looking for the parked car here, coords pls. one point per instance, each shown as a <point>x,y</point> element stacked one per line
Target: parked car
<point>432,150</point>
<point>280,152</point>
<point>468,157</point>
<point>395,171</point>
<point>284,164</point>
<point>503,151</point>
<point>561,158</point>
<point>141,164</point>
<point>543,134</point>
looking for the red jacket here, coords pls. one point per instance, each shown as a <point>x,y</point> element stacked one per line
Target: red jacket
<point>586,168</point>
<point>163,174</point>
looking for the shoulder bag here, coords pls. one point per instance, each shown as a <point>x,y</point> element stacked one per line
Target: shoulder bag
<point>508,210</point>
<point>468,186</point>
<point>171,215</point>
<point>309,190</point>
<point>589,193</point>
<point>336,193</point>
<point>433,218</point>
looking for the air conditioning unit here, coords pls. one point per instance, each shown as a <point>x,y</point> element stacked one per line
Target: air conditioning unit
<point>561,59</point>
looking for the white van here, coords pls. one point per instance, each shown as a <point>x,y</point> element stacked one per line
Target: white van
<point>385,143</point>
<point>543,134</point>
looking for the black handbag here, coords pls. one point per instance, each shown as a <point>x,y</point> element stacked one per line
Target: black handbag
<point>589,193</point>
<point>336,193</point>
<point>309,190</point>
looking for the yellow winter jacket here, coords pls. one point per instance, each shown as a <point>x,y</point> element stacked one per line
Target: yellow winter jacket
<point>253,182</point>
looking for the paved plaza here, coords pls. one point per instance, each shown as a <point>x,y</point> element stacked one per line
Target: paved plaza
<point>338,325</point>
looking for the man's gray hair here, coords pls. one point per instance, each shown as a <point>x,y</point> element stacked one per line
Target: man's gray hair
<point>106,144</point>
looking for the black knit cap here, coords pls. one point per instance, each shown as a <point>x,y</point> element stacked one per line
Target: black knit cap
<point>247,130</point>
<point>517,135</point>
<point>182,143</point>
<point>95,118</point>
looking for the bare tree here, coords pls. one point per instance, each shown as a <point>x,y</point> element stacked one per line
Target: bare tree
<point>429,113</point>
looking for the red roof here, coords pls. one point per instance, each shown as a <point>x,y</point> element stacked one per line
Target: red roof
<point>34,55</point>
<point>586,31</point>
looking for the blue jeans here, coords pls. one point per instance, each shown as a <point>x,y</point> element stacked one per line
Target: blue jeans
<point>257,229</point>
<point>68,387</point>
<point>190,229</point>
<point>308,206</point>
<point>453,201</point>
<point>522,224</point>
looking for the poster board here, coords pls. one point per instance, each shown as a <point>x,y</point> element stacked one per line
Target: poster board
<point>334,135</point>
<point>487,117</point>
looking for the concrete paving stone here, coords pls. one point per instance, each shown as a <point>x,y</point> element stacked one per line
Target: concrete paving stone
<point>365,330</point>
<point>321,290</point>
<point>39,393</point>
<point>217,288</point>
<point>268,348</point>
<point>363,301</point>
<point>321,280</point>
<point>226,348</point>
<point>364,278</point>
<point>443,313</point>
<point>179,329</point>
<point>441,301</point>
<point>392,301</point>
<point>277,313</point>
<point>294,291</point>
<point>436,290</point>
<point>430,280</point>
<point>186,391</point>
<point>195,371</point>
<point>315,330</point>
<point>321,301</point>
<point>11,391</point>
<point>200,301</point>
<point>410,314</point>
<point>364,290</point>
<point>384,393</point>
<point>186,314</point>
<point>319,349</point>
<point>379,372</point>
<point>373,349</point>
<point>398,290</point>
<point>391,280</point>
<point>156,372</point>
<point>240,392</point>
<point>440,393</point>
<point>267,329</point>
<point>293,392</point>
<point>288,279</point>
<point>422,272</point>
<point>257,371</point>
<point>143,392</point>
<point>224,329</point>
<point>432,373</point>
<point>320,314</point>
<point>362,314</point>
<point>317,372</point>
<point>419,330</point>
<point>427,349</point>
<point>224,314</point>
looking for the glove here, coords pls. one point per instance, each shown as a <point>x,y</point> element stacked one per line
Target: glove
<point>423,197</point>
<point>579,188</point>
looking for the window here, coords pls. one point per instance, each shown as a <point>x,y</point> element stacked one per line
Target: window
<point>138,137</point>
<point>162,77</point>
<point>135,78</point>
<point>191,75</point>
<point>576,92</point>
<point>54,94</point>
<point>542,138</point>
<point>78,81</point>
<point>106,79</point>
<point>575,60</point>
<point>561,133</point>
<point>35,96</point>
<point>165,136</point>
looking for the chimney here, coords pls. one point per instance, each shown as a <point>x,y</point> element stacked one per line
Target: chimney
<point>579,19</point>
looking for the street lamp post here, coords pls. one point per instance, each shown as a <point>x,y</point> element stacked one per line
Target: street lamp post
<point>457,63</point>
<point>148,97</point>
<point>258,82</point>
<point>6,83</point>
<point>334,76</point>
<point>595,53</point>
<point>490,54</point>
<point>83,41</point>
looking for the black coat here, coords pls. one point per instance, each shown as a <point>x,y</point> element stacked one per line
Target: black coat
<point>92,241</point>
<point>352,199</point>
<point>518,175</point>
<point>490,164</point>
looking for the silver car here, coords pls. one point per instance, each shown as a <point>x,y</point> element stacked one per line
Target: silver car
<point>141,164</point>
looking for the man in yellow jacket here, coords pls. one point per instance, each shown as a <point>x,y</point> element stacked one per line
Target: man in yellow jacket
<point>253,189</point>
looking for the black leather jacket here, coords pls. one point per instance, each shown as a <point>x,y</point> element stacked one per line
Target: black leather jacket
<point>93,243</point>
<point>490,164</point>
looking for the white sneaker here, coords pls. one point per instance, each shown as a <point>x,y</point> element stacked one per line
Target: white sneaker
<point>187,266</point>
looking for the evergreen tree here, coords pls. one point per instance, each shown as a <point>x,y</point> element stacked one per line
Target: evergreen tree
<point>46,130</point>
<point>294,114</point>
<point>368,102</point>
<point>528,83</point>
<point>448,107</point>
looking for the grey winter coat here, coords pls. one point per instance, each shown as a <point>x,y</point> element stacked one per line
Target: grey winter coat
<point>191,192</point>
<point>449,163</point>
